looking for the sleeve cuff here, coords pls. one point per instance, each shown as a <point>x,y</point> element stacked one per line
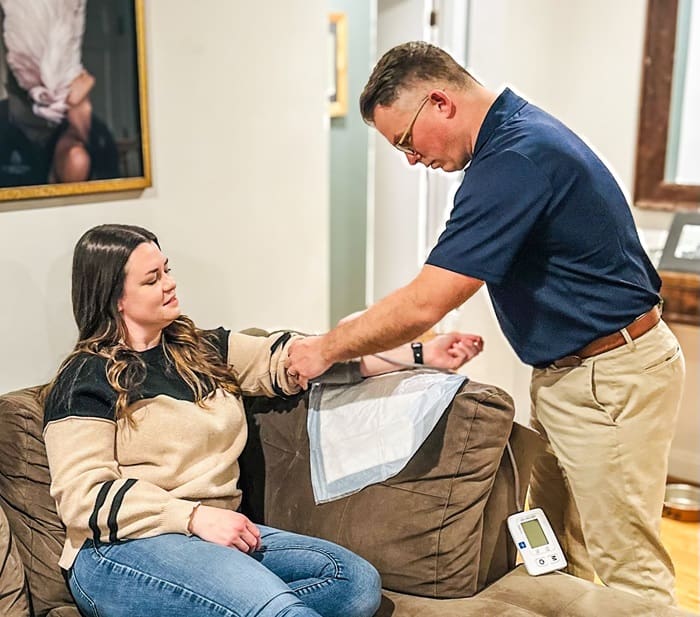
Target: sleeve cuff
<point>176,515</point>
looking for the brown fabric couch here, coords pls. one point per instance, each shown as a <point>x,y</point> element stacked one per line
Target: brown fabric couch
<point>436,531</point>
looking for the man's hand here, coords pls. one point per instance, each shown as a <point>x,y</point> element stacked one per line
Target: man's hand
<point>305,360</point>
<point>225,527</point>
<point>450,351</point>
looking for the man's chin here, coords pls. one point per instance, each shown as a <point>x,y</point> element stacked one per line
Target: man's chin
<point>450,167</point>
<point>463,164</point>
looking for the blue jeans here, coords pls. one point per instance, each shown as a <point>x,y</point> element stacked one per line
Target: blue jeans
<point>176,576</point>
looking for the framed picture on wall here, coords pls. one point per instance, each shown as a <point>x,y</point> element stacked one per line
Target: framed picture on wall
<point>73,107</point>
<point>682,250</point>
<point>337,65</point>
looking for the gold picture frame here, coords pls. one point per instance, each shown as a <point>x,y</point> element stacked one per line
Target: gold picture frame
<point>338,65</point>
<point>117,146</point>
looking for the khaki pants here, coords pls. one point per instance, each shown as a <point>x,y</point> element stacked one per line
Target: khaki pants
<point>609,424</point>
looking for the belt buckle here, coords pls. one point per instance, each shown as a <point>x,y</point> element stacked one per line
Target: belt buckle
<point>568,362</point>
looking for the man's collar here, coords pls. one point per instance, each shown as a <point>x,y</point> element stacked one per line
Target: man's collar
<point>507,104</point>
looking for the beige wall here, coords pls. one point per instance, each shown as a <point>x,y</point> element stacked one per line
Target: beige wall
<point>239,141</point>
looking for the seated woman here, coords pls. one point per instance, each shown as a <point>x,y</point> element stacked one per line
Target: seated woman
<point>144,425</point>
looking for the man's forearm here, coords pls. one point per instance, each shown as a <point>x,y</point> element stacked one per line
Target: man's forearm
<point>401,316</point>
<point>397,319</point>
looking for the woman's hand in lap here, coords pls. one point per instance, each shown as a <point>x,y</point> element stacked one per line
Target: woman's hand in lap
<point>225,527</point>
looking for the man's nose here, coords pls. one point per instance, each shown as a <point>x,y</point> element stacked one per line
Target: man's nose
<point>412,158</point>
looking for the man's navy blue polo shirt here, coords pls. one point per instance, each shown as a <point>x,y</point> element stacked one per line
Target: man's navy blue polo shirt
<point>543,222</point>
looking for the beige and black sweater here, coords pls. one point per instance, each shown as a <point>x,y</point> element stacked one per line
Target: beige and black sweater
<point>113,481</point>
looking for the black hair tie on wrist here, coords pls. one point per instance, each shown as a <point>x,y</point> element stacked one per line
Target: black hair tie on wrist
<point>417,353</point>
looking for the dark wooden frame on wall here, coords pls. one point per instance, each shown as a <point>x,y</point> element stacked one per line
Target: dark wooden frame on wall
<point>651,190</point>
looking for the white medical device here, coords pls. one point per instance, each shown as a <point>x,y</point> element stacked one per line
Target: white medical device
<point>536,542</point>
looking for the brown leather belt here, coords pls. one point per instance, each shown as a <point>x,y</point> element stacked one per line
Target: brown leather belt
<point>639,326</point>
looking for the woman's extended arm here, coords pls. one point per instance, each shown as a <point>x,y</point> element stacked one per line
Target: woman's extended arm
<point>445,351</point>
<point>259,362</point>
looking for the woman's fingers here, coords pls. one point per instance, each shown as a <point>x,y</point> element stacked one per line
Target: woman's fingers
<point>241,545</point>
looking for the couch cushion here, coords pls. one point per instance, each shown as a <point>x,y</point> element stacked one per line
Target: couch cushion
<point>24,496</point>
<point>520,595</point>
<point>556,594</point>
<point>64,611</point>
<point>402,605</point>
<point>13,588</point>
<point>422,529</point>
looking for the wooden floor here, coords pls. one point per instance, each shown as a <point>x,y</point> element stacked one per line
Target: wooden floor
<point>682,541</point>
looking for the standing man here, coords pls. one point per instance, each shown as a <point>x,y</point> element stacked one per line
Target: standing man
<point>540,220</point>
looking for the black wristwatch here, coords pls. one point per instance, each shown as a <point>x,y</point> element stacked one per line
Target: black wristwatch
<point>417,353</point>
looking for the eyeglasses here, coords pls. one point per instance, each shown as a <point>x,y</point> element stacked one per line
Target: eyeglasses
<point>404,143</point>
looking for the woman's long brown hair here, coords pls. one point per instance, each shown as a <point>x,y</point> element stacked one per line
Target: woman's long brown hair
<point>99,263</point>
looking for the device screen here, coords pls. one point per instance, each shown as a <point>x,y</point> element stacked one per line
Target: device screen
<point>534,533</point>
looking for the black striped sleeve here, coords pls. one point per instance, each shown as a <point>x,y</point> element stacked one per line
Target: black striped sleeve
<point>114,510</point>
<point>99,502</point>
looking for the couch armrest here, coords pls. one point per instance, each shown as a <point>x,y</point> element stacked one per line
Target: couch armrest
<point>14,600</point>
<point>24,492</point>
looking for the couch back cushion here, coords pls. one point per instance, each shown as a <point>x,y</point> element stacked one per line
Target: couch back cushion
<point>498,551</point>
<point>25,498</point>
<point>423,529</point>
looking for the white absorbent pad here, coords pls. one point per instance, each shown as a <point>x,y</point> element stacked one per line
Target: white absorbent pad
<point>367,432</point>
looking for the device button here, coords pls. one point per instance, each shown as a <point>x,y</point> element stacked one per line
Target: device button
<point>540,561</point>
<point>521,545</point>
<point>555,558</point>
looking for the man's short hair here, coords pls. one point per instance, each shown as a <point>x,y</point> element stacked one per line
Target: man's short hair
<point>406,65</point>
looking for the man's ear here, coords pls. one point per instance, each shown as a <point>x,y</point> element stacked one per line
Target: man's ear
<point>443,102</point>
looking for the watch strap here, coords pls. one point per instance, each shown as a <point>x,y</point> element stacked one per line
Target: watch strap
<point>417,353</point>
